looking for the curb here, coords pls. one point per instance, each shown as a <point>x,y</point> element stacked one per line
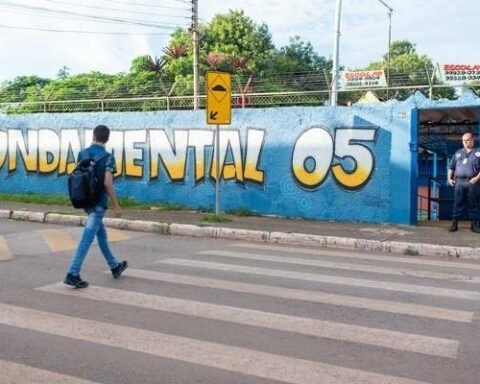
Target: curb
<point>345,243</point>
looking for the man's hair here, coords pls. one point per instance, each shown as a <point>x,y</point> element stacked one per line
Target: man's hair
<point>101,133</point>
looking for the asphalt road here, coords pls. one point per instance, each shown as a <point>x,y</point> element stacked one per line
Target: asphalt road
<point>219,312</point>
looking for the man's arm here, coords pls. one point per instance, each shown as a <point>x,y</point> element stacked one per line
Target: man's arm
<point>450,178</point>
<point>108,182</point>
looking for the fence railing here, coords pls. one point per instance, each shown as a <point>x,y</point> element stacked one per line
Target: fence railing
<point>250,100</point>
<point>306,88</point>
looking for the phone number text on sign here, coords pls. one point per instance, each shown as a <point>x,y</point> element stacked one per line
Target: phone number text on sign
<point>461,73</point>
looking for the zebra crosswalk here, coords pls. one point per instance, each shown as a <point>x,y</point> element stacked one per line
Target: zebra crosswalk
<point>252,313</point>
<point>50,240</point>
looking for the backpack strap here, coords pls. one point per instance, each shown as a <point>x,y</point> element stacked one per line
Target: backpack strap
<point>99,157</point>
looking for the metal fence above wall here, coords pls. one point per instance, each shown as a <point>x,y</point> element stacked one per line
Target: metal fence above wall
<point>307,88</point>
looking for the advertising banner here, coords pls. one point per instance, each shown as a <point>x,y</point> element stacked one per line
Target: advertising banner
<point>460,74</point>
<point>363,79</point>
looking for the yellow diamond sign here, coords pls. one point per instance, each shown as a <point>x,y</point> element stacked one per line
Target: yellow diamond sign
<point>219,98</point>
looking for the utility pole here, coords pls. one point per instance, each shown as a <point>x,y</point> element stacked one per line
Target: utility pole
<point>196,54</point>
<point>336,54</point>
<point>390,11</point>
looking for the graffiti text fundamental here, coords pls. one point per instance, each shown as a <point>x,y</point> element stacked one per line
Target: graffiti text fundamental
<point>346,154</point>
<point>47,151</point>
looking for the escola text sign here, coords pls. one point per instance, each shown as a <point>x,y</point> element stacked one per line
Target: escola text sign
<point>219,98</point>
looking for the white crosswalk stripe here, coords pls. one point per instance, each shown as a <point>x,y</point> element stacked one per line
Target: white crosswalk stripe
<point>326,329</point>
<point>14,373</point>
<point>5,253</point>
<point>346,266</point>
<point>260,364</point>
<point>313,296</point>
<point>361,256</point>
<point>389,286</point>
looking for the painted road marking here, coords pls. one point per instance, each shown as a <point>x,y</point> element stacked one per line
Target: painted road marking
<point>245,361</point>
<point>360,255</point>
<point>14,373</point>
<point>346,266</point>
<point>57,240</point>
<point>118,234</point>
<point>317,297</point>
<point>5,253</point>
<point>305,326</point>
<point>338,280</point>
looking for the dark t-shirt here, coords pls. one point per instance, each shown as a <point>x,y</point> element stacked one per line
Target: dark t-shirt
<point>464,164</point>
<point>106,164</point>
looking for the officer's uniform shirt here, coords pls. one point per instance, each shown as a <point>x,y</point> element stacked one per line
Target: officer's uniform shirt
<point>466,165</point>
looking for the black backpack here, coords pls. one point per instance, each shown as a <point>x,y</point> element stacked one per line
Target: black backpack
<point>85,185</point>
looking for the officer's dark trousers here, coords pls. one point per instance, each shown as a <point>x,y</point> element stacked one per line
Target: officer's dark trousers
<point>466,194</point>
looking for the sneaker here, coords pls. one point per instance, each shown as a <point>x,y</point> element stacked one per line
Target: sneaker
<point>75,281</point>
<point>118,270</point>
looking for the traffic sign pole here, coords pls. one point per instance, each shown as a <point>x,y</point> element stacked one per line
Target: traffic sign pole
<point>219,112</point>
<point>217,177</point>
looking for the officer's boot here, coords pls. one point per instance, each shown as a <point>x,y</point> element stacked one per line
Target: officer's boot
<point>474,226</point>
<point>454,226</point>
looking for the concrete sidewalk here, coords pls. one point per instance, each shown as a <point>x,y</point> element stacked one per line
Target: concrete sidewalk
<point>424,240</point>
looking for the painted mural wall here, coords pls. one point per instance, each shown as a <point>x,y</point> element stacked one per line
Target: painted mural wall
<point>344,163</point>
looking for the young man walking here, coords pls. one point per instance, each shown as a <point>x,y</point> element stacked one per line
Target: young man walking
<point>105,168</point>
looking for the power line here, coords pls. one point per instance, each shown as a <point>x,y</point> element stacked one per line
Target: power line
<point>116,10</point>
<point>144,23</point>
<point>81,32</point>
<point>145,5</point>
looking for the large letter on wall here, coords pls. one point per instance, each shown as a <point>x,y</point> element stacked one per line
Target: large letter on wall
<point>199,139</point>
<point>3,147</point>
<point>228,140</point>
<point>255,140</point>
<point>29,156</point>
<point>346,146</point>
<point>69,149</point>
<point>173,157</point>
<point>132,154</point>
<point>48,150</point>
<point>115,147</point>
<point>312,156</point>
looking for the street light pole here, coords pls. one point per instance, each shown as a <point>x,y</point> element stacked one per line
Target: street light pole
<point>390,11</point>
<point>336,50</point>
<point>336,54</point>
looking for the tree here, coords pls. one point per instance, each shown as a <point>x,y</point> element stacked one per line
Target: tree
<point>236,35</point>
<point>298,67</point>
<point>63,72</point>
<point>407,67</point>
<point>18,89</point>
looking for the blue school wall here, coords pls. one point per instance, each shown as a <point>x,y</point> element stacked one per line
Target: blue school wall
<point>343,164</point>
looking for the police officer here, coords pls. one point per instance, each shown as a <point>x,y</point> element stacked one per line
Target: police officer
<point>464,174</point>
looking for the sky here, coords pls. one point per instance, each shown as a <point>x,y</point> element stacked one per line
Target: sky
<point>445,30</point>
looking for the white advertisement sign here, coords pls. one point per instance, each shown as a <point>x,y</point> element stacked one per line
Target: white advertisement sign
<point>363,79</point>
<point>459,74</point>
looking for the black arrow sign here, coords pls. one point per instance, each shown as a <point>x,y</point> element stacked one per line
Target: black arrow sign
<point>213,115</point>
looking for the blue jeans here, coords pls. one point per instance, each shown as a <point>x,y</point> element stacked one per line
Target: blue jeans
<point>93,227</point>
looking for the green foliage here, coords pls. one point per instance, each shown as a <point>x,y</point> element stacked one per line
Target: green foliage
<point>21,86</point>
<point>411,251</point>
<point>36,198</point>
<point>213,218</point>
<point>408,67</point>
<point>48,199</point>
